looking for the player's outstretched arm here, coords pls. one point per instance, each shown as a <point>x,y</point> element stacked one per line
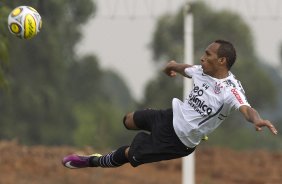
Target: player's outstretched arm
<point>172,68</point>
<point>253,116</point>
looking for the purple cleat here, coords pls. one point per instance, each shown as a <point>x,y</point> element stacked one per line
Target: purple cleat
<point>77,161</point>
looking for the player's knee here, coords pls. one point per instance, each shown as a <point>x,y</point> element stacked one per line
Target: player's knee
<point>124,121</point>
<point>129,122</point>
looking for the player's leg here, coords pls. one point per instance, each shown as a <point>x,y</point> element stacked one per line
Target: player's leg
<point>161,144</point>
<point>141,119</point>
<point>113,159</point>
<point>137,120</point>
<point>128,122</point>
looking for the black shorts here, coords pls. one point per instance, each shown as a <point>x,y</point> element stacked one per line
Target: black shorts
<point>160,142</point>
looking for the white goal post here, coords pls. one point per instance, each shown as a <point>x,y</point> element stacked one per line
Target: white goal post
<point>188,163</point>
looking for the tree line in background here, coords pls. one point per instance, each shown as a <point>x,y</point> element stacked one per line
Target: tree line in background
<point>51,96</point>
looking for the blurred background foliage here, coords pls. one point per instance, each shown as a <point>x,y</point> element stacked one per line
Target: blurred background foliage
<point>51,96</point>
<point>54,97</point>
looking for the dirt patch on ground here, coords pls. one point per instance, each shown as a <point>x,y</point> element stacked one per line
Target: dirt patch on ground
<point>21,164</point>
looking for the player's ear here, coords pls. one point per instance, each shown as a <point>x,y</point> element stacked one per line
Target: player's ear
<point>222,60</point>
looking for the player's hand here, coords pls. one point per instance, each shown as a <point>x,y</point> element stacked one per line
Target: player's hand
<point>169,69</point>
<point>268,124</point>
<point>252,116</point>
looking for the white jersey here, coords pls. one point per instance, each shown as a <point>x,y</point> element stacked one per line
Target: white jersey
<point>208,104</point>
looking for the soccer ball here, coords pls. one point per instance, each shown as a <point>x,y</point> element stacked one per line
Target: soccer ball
<point>24,22</point>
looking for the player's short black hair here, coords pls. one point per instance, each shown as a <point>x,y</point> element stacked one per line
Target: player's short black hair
<point>227,50</point>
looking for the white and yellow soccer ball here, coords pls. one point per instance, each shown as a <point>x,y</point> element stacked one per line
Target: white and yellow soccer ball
<point>24,22</point>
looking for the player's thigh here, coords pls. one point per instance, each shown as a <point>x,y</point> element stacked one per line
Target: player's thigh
<point>146,148</point>
<point>140,120</point>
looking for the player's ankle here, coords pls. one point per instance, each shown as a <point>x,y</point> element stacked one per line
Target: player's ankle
<point>94,161</point>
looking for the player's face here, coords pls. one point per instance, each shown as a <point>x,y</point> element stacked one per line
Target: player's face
<point>209,60</point>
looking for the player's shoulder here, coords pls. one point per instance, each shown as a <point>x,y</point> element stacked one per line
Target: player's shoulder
<point>234,91</point>
<point>232,82</point>
<point>194,70</point>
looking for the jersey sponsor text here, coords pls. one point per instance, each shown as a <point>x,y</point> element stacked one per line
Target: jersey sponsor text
<point>198,104</point>
<point>237,95</point>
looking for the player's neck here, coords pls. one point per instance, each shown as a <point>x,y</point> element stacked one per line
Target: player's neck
<point>221,74</point>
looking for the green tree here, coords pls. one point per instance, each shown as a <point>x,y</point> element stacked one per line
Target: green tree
<point>36,107</point>
<point>3,44</point>
<point>99,100</point>
<point>53,96</point>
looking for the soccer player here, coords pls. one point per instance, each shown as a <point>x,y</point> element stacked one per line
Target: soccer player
<point>176,132</point>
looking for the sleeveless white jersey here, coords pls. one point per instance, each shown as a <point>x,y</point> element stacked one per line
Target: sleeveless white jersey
<point>208,104</point>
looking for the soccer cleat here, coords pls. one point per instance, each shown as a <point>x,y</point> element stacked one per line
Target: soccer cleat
<point>78,161</point>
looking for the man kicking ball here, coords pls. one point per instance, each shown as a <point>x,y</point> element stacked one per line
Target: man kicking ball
<point>175,132</point>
